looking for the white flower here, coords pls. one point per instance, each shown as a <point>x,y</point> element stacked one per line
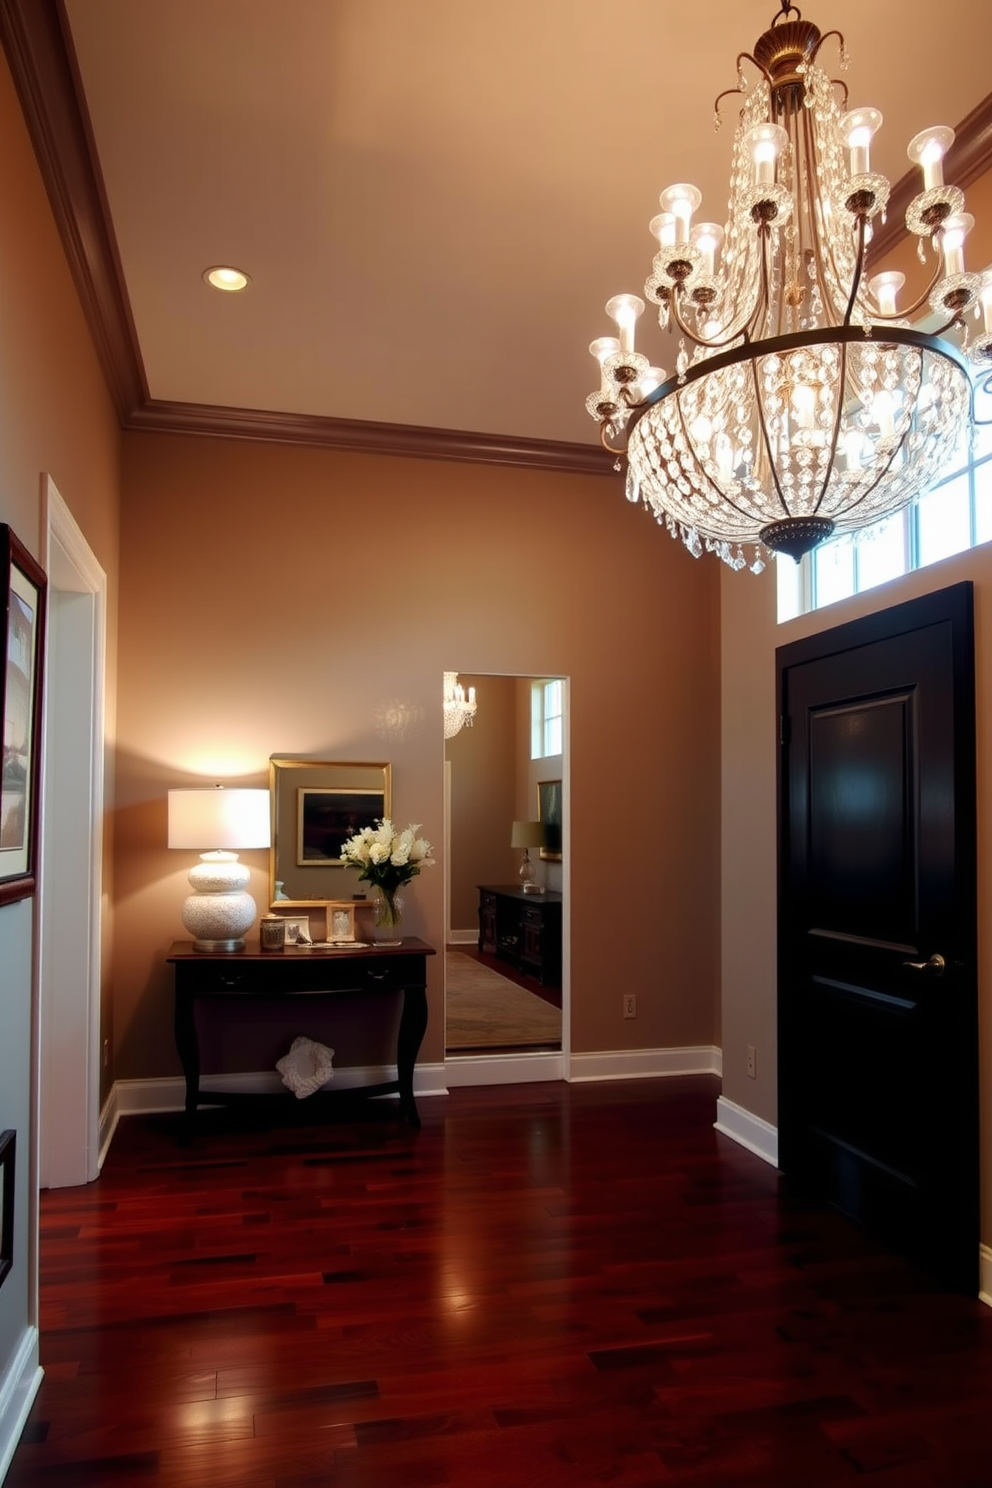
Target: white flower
<point>420,852</point>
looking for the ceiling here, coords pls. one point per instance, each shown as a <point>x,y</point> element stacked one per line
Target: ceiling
<point>433,198</point>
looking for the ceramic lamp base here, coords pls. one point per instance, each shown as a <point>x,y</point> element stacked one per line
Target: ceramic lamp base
<point>219,911</point>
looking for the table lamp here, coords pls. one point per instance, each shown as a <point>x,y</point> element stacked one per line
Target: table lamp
<point>527,834</point>
<point>219,910</point>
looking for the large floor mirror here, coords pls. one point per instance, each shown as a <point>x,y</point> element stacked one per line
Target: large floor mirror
<point>504,989</point>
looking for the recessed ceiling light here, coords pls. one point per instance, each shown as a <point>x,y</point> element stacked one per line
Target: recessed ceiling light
<point>226,278</point>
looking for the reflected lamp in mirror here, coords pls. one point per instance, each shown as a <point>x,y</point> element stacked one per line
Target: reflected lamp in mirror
<point>221,822</point>
<point>527,834</point>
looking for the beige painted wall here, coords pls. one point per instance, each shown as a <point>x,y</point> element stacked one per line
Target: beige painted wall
<point>308,601</point>
<point>483,787</point>
<point>55,417</point>
<point>749,638</point>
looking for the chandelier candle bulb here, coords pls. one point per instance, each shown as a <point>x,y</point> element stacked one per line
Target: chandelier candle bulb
<point>860,127</point>
<point>681,200</point>
<point>766,141</point>
<point>927,150</point>
<point>956,229</point>
<point>885,287</point>
<point>707,237</point>
<point>626,310</point>
<point>601,348</point>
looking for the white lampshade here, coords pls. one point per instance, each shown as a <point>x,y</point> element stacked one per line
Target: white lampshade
<point>219,818</point>
<point>219,910</point>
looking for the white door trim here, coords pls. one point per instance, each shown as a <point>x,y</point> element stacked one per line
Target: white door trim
<point>70,890</point>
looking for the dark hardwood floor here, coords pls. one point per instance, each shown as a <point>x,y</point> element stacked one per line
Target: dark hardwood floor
<point>546,1285</point>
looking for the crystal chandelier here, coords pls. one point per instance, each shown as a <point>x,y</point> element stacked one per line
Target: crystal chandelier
<point>807,404</point>
<point>459,705</point>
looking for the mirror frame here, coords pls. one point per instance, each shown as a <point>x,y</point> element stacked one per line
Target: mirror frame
<point>290,774</point>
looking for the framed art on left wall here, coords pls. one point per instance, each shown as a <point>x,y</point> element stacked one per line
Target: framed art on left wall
<point>21,666</point>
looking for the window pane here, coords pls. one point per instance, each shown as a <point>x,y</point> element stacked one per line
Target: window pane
<point>943,521</point>
<point>983,502</point>
<point>552,718</point>
<point>788,578</point>
<point>833,571</point>
<point>882,552</point>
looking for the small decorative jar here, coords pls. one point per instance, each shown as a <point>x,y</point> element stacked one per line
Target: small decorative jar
<point>272,932</point>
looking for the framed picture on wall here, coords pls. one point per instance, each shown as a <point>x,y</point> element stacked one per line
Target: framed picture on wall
<point>8,1143</point>
<point>24,588</point>
<point>549,814</point>
<point>326,818</point>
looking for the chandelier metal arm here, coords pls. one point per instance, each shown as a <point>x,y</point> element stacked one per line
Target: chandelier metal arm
<point>612,449</point>
<point>859,263</point>
<point>759,404</point>
<point>911,310</point>
<point>834,438</point>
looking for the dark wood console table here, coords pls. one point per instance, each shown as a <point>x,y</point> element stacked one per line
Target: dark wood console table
<point>277,975</point>
<point>524,929</point>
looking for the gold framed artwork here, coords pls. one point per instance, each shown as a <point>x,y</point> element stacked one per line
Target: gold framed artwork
<point>24,587</point>
<point>549,815</point>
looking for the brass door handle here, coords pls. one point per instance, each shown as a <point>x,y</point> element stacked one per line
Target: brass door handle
<point>936,964</point>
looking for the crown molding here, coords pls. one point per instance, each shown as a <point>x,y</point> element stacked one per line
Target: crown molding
<point>36,39</point>
<point>367,437</point>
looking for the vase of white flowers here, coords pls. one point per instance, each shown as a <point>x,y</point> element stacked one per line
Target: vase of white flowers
<point>387,859</point>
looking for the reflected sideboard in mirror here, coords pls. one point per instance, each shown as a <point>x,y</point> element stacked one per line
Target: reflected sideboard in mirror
<point>316,806</point>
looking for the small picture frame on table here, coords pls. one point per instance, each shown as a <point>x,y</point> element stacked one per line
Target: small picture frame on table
<point>24,588</point>
<point>297,930</point>
<point>341,923</point>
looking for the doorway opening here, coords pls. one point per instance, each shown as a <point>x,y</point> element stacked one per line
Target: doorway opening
<point>506,958</point>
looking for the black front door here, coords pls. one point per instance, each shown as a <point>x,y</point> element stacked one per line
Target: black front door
<point>878,1048</point>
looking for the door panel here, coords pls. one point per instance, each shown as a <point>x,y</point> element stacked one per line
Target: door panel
<point>878,1063</point>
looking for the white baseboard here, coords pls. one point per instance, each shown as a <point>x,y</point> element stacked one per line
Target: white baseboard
<point>502,1069</point>
<point>644,1064</point>
<point>146,1097</point>
<point>758,1136</point>
<point>17,1391</point>
<point>985,1274</point>
<point>109,1117</point>
<point>464,937</point>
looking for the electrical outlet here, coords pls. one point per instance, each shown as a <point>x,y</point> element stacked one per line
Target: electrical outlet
<point>752,1061</point>
<point>630,1004</point>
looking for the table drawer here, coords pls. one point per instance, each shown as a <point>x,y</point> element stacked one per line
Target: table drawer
<point>299,975</point>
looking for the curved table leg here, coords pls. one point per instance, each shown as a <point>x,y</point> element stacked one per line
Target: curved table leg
<point>413,1025</point>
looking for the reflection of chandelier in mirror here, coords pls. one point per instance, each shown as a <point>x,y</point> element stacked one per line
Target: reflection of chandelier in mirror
<point>808,405</point>
<point>459,705</point>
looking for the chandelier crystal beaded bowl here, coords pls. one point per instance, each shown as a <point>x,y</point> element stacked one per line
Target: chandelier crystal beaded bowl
<point>808,405</point>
